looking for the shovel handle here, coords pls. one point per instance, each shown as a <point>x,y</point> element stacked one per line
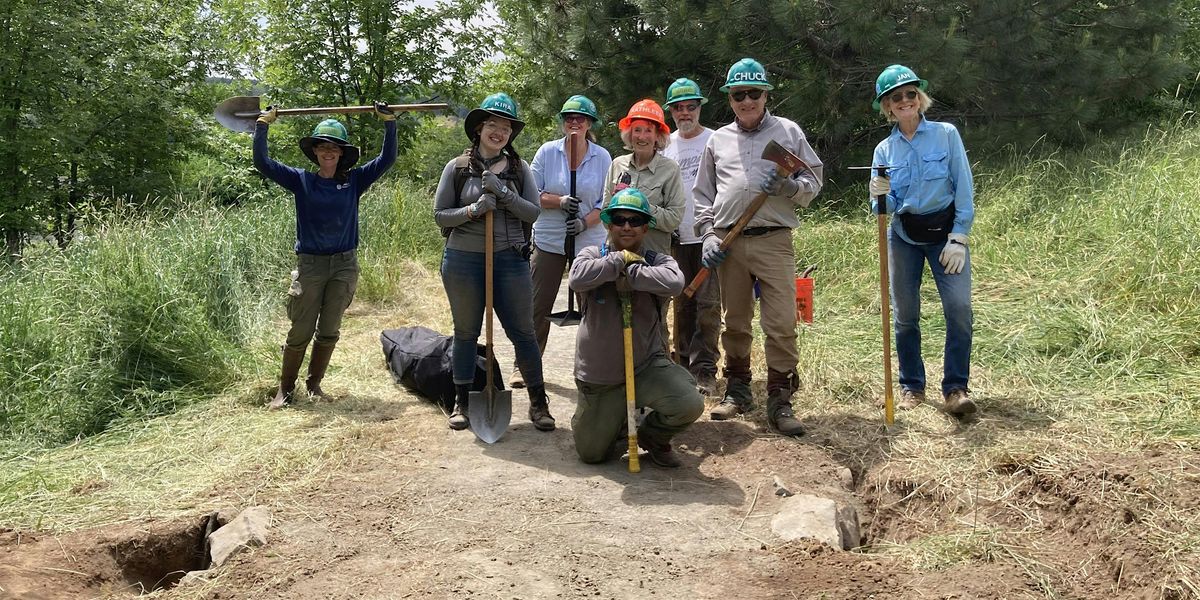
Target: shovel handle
<point>697,281</point>
<point>889,407</point>
<point>344,110</point>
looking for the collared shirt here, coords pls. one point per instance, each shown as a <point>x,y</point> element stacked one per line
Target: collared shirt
<point>687,153</point>
<point>927,173</point>
<point>660,183</point>
<point>552,174</point>
<point>732,168</point>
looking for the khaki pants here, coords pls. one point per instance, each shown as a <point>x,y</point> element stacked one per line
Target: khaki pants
<point>546,269</point>
<point>319,295</point>
<point>770,260</point>
<point>662,385</point>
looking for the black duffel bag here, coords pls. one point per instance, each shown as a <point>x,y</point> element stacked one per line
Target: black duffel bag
<point>419,358</point>
<point>930,228</point>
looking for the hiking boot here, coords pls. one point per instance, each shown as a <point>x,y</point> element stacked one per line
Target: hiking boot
<point>661,453</point>
<point>620,443</point>
<point>736,401</point>
<point>458,417</point>
<point>780,416</point>
<point>516,381</point>
<point>959,403</point>
<point>292,359</point>
<point>539,408</point>
<point>911,399</point>
<point>318,363</point>
<point>706,384</point>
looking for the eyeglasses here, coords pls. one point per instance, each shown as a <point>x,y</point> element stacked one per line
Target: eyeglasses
<point>685,107</point>
<point>575,118</point>
<point>740,95</point>
<point>905,95</point>
<point>632,221</point>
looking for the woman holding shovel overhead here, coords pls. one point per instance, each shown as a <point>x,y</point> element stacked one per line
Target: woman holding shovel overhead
<point>569,177</point>
<point>490,180</point>
<point>929,189</point>
<point>607,277</point>
<point>326,274</point>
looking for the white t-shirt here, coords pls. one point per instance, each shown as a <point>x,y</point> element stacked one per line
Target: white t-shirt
<point>687,153</point>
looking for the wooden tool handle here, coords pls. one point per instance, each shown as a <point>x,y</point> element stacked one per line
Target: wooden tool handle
<point>488,261</point>
<point>697,281</point>
<point>346,110</point>
<point>889,407</point>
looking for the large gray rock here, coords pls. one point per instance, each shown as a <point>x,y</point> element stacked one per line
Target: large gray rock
<point>247,529</point>
<point>812,517</point>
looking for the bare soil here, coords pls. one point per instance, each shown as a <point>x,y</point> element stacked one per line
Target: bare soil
<point>425,512</point>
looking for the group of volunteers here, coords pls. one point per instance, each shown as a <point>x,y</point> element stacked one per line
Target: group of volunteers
<point>637,229</point>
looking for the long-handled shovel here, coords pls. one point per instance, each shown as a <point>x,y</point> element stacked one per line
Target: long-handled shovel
<point>491,409</point>
<point>240,112</point>
<point>570,316</point>
<point>889,408</point>
<point>786,165</point>
<point>630,397</point>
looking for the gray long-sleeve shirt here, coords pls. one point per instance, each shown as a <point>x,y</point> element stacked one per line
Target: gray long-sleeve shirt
<point>600,345</point>
<point>450,210</point>
<point>730,173</point>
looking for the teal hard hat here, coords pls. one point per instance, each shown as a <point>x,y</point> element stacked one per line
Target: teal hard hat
<point>332,131</point>
<point>581,105</point>
<point>629,198</point>
<point>498,105</point>
<point>684,89</point>
<point>747,72</point>
<point>893,77</point>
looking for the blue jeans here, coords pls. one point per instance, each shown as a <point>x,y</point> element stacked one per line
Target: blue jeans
<point>512,292</point>
<point>907,265</point>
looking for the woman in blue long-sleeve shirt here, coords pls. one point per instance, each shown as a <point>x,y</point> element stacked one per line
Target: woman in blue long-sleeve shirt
<point>326,274</point>
<point>930,191</point>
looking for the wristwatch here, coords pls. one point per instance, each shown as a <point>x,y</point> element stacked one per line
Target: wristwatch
<point>959,242</point>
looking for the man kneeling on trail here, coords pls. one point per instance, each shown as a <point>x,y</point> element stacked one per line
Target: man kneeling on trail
<point>599,275</point>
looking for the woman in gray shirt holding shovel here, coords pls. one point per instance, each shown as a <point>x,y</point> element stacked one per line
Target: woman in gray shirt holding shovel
<point>489,177</point>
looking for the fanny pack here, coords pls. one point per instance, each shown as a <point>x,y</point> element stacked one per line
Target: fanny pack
<point>929,228</point>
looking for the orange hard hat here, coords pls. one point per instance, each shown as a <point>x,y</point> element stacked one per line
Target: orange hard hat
<point>647,110</point>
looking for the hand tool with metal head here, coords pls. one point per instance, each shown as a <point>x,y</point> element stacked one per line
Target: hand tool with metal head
<point>240,112</point>
<point>570,316</point>
<point>489,410</point>
<point>630,393</point>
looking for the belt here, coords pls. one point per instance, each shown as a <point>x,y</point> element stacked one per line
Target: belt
<point>755,231</point>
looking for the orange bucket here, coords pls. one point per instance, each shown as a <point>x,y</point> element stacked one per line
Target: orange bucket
<point>804,299</point>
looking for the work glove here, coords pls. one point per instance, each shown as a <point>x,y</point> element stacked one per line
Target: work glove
<point>575,226</point>
<point>631,257</point>
<point>486,203</point>
<point>880,186</point>
<point>775,185</point>
<point>494,185</point>
<point>383,112</point>
<point>569,204</point>
<point>712,255</point>
<point>269,115</point>
<point>954,254</point>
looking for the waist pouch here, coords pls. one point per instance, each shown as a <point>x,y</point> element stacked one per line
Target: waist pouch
<point>929,228</point>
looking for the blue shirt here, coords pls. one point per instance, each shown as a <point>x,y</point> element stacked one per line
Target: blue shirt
<point>552,174</point>
<point>927,172</point>
<point>326,209</point>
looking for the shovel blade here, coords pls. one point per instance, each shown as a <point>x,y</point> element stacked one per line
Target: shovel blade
<point>566,318</point>
<point>238,113</point>
<point>489,412</point>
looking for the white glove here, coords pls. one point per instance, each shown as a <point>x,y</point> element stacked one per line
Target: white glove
<point>576,226</point>
<point>954,254</point>
<point>880,186</point>
<point>568,204</point>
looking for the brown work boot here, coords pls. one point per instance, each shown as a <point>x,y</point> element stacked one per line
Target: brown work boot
<point>736,401</point>
<point>292,359</point>
<point>959,403</point>
<point>661,453</point>
<point>706,384</point>
<point>910,399</point>
<point>318,363</point>
<point>539,408</point>
<point>458,417</point>
<point>779,414</point>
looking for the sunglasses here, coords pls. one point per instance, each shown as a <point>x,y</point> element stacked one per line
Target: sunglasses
<point>740,95</point>
<point>905,95</point>
<point>633,221</point>
<point>574,118</point>
<point>685,107</point>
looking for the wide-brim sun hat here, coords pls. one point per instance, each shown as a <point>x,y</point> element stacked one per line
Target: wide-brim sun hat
<point>631,199</point>
<point>495,105</point>
<point>646,110</point>
<point>332,131</point>
<point>892,77</point>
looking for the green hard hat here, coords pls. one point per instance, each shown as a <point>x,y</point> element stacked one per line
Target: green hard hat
<point>332,131</point>
<point>629,198</point>
<point>499,105</point>
<point>747,72</point>
<point>893,77</point>
<point>684,89</point>
<point>581,105</point>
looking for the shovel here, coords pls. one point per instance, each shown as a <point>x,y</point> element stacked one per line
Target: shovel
<point>489,410</point>
<point>889,407</point>
<point>630,397</point>
<point>570,316</point>
<point>240,112</point>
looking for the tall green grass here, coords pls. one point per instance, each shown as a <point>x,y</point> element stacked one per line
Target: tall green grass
<point>144,313</point>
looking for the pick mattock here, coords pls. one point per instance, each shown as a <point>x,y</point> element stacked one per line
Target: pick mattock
<point>630,393</point>
<point>570,316</point>
<point>491,409</point>
<point>889,407</point>
<point>240,112</point>
<point>786,165</point>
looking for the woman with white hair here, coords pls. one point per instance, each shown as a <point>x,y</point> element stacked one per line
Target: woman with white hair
<point>644,131</point>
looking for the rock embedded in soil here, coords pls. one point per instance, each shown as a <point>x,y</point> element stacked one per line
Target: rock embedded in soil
<point>812,517</point>
<point>247,529</point>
